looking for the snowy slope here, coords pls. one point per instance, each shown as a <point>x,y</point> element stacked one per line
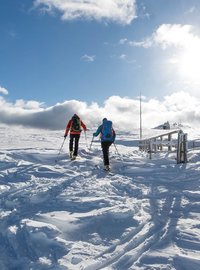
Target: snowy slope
<point>72,215</point>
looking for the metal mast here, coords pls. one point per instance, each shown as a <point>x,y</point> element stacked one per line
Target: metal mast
<point>140,116</point>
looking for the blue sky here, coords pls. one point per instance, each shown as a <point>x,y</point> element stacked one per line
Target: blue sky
<point>48,58</point>
<point>95,57</point>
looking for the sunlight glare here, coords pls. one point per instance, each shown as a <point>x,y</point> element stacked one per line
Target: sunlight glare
<point>189,63</point>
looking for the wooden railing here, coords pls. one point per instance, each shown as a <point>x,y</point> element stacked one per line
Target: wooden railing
<point>166,142</point>
<point>196,143</point>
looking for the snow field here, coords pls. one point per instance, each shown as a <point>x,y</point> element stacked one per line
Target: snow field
<point>144,215</point>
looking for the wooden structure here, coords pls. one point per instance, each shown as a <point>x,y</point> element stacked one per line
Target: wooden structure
<point>196,143</point>
<point>166,142</point>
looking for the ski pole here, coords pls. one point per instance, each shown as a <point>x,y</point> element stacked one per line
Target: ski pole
<point>60,149</point>
<point>86,139</point>
<point>116,149</point>
<point>118,152</point>
<point>91,143</point>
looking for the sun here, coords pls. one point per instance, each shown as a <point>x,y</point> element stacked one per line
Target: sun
<point>189,64</point>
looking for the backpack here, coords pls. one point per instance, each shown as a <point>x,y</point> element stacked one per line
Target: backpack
<point>107,133</point>
<point>76,124</point>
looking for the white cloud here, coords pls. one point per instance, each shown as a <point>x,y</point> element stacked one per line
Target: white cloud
<point>88,58</point>
<point>3,91</point>
<point>187,57</point>
<point>168,35</point>
<point>183,44</point>
<point>123,41</point>
<point>31,104</point>
<point>191,10</point>
<point>175,35</point>
<point>120,11</point>
<point>123,57</point>
<point>12,34</point>
<point>148,42</point>
<point>123,111</point>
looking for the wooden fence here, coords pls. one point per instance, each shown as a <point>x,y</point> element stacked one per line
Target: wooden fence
<point>167,142</point>
<point>195,143</point>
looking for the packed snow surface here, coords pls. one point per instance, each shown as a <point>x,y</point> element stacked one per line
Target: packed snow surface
<point>60,214</point>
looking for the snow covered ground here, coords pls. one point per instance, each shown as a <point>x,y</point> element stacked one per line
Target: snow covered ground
<point>72,215</point>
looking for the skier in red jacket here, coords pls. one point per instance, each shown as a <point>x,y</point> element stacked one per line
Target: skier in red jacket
<point>74,127</point>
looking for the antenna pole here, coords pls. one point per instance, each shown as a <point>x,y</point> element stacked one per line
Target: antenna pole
<point>140,116</point>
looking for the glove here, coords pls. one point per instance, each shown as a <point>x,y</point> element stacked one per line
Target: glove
<point>94,134</point>
<point>65,136</point>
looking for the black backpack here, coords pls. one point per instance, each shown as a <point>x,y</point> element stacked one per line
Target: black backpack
<point>76,124</point>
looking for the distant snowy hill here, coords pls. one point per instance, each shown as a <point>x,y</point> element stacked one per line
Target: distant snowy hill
<point>144,215</point>
<point>172,126</point>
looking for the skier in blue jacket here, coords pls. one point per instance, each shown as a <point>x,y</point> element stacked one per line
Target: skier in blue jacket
<point>107,135</point>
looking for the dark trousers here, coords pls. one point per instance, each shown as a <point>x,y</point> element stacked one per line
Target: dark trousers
<point>73,143</point>
<point>105,148</point>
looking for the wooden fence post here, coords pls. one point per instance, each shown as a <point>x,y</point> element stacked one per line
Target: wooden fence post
<point>185,148</point>
<point>182,148</point>
<point>161,147</point>
<point>178,148</point>
<point>169,139</point>
<point>150,149</point>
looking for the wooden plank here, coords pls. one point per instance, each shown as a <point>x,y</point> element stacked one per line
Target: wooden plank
<point>164,133</point>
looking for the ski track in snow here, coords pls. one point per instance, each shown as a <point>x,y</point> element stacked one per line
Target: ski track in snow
<point>145,214</point>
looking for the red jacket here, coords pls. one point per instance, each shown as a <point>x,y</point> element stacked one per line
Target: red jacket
<point>68,128</point>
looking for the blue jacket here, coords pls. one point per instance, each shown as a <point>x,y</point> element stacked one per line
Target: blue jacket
<point>99,131</point>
